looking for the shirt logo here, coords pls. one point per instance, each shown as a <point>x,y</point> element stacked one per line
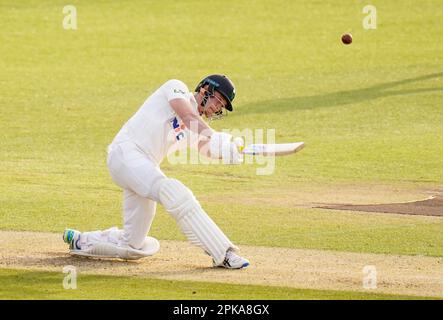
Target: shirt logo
<point>179,91</point>
<point>178,128</point>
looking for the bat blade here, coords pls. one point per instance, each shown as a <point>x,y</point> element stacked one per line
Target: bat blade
<point>273,149</point>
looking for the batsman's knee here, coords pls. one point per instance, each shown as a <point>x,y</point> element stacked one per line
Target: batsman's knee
<point>177,199</point>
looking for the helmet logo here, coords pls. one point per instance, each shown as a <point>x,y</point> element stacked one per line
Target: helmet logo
<point>210,81</point>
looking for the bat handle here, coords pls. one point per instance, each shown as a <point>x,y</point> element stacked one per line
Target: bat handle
<point>240,144</point>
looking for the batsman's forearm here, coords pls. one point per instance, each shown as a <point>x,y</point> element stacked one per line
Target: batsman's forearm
<point>195,124</point>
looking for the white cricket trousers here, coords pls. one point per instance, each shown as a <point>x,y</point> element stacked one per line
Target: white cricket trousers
<point>132,170</point>
<point>141,180</point>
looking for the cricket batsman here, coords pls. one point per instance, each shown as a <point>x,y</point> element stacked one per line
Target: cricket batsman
<point>163,125</point>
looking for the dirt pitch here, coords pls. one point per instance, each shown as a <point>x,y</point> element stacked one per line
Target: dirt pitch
<point>298,268</point>
<point>433,206</point>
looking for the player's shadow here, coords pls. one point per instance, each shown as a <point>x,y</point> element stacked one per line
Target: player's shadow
<point>342,97</point>
<point>59,259</point>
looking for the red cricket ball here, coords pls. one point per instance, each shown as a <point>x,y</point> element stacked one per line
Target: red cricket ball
<point>346,38</point>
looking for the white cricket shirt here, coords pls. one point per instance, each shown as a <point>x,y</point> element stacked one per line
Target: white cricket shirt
<point>155,128</point>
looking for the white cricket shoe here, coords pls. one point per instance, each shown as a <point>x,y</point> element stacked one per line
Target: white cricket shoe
<point>233,261</point>
<point>71,237</point>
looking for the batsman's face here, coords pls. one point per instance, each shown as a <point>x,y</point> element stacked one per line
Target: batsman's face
<point>215,105</point>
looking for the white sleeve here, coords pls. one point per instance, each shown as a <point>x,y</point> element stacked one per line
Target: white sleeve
<point>175,89</point>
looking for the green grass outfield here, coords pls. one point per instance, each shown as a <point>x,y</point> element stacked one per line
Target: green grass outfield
<point>49,285</point>
<point>370,114</point>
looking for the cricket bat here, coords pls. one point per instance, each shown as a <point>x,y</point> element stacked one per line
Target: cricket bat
<point>272,149</point>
